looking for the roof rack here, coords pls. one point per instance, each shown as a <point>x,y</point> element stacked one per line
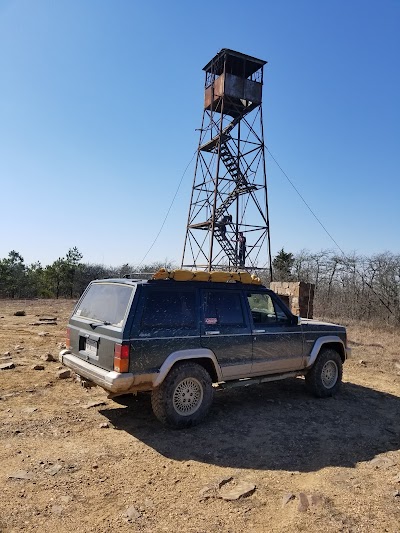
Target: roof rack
<point>201,275</point>
<point>139,275</point>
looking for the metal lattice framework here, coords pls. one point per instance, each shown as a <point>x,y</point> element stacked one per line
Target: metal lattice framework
<point>229,199</point>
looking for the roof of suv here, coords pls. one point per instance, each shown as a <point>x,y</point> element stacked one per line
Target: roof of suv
<point>169,282</point>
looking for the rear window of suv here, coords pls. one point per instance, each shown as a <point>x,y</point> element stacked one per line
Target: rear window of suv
<point>106,302</point>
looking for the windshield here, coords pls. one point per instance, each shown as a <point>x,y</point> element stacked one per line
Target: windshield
<point>106,302</point>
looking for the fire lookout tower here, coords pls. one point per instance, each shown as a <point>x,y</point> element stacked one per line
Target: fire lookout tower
<point>228,222</point>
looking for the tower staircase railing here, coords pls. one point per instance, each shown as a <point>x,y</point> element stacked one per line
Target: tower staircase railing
<point>212,143</point>
<point>242,186</point>
<point>226,245</point>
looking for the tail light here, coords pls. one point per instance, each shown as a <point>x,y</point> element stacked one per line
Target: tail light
<point>121,357</point>
<point>68,339</point>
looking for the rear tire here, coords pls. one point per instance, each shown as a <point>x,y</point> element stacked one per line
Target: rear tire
<point>325,377</point>
<point>184,397</point>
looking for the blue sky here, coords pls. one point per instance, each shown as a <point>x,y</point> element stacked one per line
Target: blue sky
<point>100,100</point>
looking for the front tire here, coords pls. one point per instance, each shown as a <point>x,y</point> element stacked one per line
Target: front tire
<point>184,397</point>
<point>325,377</point>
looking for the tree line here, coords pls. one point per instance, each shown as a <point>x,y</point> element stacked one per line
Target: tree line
<point>346,287</point>
<point>67,277</point>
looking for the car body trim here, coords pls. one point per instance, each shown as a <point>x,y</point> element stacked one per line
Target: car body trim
<point>331,339</point>
<point>241,370</point>
<point>186,355</point>
<point>108,380</point>
<point>318,332</point>
<point>188,336</point>
<point>276,332</point>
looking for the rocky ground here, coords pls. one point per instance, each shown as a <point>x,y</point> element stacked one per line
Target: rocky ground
<point>72,460</point>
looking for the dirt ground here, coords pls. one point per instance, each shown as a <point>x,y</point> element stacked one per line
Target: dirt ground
<point>317,465</point>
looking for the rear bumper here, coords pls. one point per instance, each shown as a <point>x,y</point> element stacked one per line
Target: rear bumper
<point>111,381</point>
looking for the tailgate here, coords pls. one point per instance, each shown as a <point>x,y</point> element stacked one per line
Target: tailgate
<point>98,322</point>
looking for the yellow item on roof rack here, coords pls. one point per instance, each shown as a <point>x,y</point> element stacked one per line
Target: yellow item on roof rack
<point>201,275</point>
<point>181,275</point>
<point>219,276</point>
<point>161,274</point>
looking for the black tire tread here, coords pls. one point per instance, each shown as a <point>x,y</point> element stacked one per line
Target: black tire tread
<point>313,377</point>
<point>161,395</point>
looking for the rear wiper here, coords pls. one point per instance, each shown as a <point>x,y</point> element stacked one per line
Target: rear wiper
<point>94,325</point>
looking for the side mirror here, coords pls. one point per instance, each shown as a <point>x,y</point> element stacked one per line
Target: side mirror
<point>296,320</point>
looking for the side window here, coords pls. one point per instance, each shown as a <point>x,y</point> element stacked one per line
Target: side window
<point>167,310</point>
<point>223,308</point>
<point>264,310</point>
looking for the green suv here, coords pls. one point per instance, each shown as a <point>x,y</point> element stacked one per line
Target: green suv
<point>182,339</point>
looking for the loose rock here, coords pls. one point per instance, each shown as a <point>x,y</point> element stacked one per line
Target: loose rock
<point>104,425</point>
<point>132,513</point>
<point>48,357</point>
<point>287,498</point>
<point>53,470</point>
<point>210,490</point>
<point>43,333</point>
<point>240,490</point>
<point>30,410</point>
<point>38,367</point>
<point>220,482</point>
<point>21,474</point>
<point>19,313</point>
<point>207,492</point>
<point>303,503</point>
<point>7,366</point>
<point>382,462</point>
<point>64,374</point>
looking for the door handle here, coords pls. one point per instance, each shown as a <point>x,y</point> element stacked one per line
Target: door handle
<point>258,330</point>
<point>212,332</point>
